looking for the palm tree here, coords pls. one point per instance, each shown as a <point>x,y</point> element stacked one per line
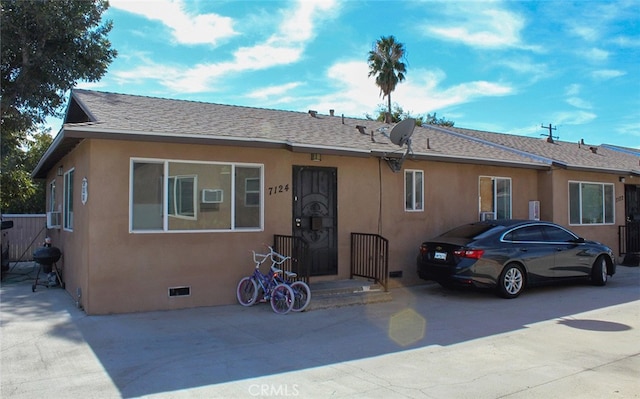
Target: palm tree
<point>386,65</point>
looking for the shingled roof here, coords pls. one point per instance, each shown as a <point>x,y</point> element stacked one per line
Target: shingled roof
<point>93,114</point>
<point>576,155</point>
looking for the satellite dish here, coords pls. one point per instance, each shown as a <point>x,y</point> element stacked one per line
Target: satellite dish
<point>401,133</point>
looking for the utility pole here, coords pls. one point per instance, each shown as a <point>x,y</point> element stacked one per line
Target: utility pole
<point>550,137</point>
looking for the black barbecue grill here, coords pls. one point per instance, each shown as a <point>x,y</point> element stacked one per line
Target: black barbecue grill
<point>46,257</point>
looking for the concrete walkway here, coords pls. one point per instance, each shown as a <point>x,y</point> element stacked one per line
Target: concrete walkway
<point>570,341</point>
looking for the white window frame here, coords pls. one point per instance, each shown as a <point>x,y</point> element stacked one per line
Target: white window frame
<point>495,179</point>
<point>179,213</point>
<point>52,196</point>
<point>67,206</point>
<point>165,201</point>
<point>580,202</point>
<point>414,204</point>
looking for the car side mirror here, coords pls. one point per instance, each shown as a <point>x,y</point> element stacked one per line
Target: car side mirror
<point>579,240</point>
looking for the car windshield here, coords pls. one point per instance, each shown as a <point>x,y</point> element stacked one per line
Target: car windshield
<point>472,231</point>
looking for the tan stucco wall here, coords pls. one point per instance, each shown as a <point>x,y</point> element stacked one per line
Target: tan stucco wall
<point>74,244</point>
<point>451,199</point>
<point>118,271</point>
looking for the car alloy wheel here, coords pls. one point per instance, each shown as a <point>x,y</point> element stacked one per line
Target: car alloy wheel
<point>511,281</point>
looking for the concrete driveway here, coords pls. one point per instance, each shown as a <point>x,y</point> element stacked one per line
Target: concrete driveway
<point>571,341</point>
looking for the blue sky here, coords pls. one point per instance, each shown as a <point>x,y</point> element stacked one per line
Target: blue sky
<point>501,66</point>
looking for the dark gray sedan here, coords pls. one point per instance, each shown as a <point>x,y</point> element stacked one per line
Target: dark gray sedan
<point>509,255</point>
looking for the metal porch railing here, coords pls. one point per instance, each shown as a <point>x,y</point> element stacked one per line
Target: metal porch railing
<point>629,238</point>
<point>370,258</point>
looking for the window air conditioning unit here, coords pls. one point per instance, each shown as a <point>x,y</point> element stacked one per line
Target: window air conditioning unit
<point>487,216</point>
<point>54,220</point>
<point>212,196</point>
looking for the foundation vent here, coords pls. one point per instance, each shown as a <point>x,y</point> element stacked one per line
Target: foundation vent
<point>179,291</point>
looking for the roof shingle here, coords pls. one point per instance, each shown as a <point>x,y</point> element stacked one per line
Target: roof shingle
<point>116,115</point>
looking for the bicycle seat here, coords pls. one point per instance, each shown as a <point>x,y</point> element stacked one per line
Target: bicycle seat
<point>291,274</point>
<point>276,270</point>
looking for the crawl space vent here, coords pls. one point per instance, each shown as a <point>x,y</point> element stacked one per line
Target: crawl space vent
<point>179,291</point>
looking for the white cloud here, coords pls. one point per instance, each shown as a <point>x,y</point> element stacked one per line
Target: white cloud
<point>284,47</point>
<point>605,74</point>
<point>477,25</point>
<point>578,103</point>
<point>269,91</point>
<point>626,41</point>
<point>572,89</point>
<point>419,94</point>
<point>585,32</point>
<point>573,117</point>
<point>572,92</point>
<point>298,23</point>
<point>629,129</point>
<point>186,27</point>
<point>595,54</point>
<point>524,66</point>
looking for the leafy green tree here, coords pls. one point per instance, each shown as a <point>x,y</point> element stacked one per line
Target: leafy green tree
<point>385,63</point>
<point>398,114</point>
<point>433,120</point>
<point>20,194</point>
<point>47,47</point>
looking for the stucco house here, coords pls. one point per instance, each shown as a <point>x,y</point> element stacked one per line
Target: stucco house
<point>156,203</point>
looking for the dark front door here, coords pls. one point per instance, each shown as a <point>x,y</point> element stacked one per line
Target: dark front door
<point>632,211</point>
<point>315,217</point>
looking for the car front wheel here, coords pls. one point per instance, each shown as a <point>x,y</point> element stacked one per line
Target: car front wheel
<point>599,271</point>
<point>511,282</point>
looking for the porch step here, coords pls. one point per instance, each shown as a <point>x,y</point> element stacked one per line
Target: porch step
<point>334,294</point>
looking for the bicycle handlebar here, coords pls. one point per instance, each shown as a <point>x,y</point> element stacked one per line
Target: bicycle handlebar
<point>274,255</point>
<point>261,261</point>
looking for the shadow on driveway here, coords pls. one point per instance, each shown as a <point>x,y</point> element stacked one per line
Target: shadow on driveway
<point>155,352</point>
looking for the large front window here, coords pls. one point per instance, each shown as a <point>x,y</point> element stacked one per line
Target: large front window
<point>188,196</point>
<point>495,197</point>
<point>591,203</point>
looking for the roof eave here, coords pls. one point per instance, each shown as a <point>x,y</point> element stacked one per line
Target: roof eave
<point>70,135</point>
<point>624,172</point>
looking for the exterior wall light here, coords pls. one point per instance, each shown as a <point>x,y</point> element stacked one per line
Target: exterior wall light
<point>316,157</point>
<point>60,170</point>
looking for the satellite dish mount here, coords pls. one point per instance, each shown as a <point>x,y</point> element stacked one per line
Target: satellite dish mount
<point>401,135</point>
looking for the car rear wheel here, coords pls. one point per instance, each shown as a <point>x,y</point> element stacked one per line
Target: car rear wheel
<point>599,271</point>
<point>511,282</point>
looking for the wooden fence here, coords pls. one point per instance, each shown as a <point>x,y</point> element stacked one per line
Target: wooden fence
<point>27,234</point>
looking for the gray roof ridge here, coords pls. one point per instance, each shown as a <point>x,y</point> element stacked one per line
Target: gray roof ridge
<point>155,98</point>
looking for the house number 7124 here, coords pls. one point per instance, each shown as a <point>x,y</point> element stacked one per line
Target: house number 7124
<point>278,189</point>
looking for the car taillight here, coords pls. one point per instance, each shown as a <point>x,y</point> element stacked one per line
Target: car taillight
<point>423,249</point>
<point>469,253</point>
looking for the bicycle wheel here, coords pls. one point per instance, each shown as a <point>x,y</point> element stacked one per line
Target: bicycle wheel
<point>247,291</point>
<point>302,295</point>
<point>282,299</point>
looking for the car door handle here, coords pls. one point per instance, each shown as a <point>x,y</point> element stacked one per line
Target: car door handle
<point>523,250</point>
